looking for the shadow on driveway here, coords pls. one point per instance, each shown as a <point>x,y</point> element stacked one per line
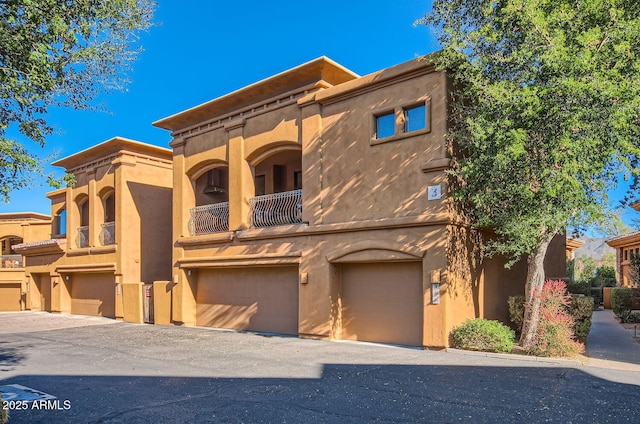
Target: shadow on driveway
<point>342,394</point>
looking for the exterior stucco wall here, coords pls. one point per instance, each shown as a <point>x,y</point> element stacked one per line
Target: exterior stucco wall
<point>363,181</point>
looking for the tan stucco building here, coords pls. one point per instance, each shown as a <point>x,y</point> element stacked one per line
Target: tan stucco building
<point>315,203</point>
<point>17,228</point>
<point>111,230</point>
<point>626,245</point>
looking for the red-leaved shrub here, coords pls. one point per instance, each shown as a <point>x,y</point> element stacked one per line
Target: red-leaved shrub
<point>555,336</point>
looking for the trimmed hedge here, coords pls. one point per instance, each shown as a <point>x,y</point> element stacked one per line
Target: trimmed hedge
<point>483,335</point>
<point>579,288</point>
<point>580,309</point>
<point>622,302</point>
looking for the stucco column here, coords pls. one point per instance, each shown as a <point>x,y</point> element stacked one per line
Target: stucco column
<point>126,239</point>
<point>94,218</point>
<point>241,184</point>
<point>311,160</point>
<point>183,196</point>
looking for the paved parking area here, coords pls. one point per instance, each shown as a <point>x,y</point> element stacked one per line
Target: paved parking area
<point>102,371</point>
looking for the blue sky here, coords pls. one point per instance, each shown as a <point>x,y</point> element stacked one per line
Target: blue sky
<point>201,50</point>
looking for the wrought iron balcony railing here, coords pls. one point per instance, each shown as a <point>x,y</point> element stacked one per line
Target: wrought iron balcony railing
<point>82,240</point>
<point>11,261</point>
<point>209,219</point>
<point>276,209</point>
<point>108,234</point>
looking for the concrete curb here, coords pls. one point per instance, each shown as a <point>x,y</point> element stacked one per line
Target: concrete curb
<point>515,357</point>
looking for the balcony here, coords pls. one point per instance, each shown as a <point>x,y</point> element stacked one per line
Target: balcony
<point>10,261</point>
<point>82,239</point>
<point>276,209</point>
<point>108,234</point>
<point>209,219</point>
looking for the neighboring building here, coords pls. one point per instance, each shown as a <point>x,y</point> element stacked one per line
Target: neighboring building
<point>16,228</point>
<point>626,246</point>
<point>315,203</point>
<point>111,229</point>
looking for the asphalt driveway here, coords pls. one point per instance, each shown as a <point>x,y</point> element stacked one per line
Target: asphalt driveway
<point>102,371</point>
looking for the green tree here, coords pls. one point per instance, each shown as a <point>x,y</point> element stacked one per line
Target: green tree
<point>586,268</point>
<point>58,53</point>
<point>605,276</point>
<point>545,113</point>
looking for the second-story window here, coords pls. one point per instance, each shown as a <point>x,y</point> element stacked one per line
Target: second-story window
<point>415,118</point>
<point>110,208</point>
<point>385,125</point>
<point>60,223</point>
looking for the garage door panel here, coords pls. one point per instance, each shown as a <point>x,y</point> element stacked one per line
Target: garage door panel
<point>93,294</point>
<point>10,296</point>
<point>256,299</point>
<point>383,302</point>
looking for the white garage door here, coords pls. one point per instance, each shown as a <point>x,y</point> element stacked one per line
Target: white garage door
<point>255,299</point>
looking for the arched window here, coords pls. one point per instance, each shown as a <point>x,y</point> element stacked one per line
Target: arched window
<point>84,213</point>
<point>110,208</point>
<point>60,223</point>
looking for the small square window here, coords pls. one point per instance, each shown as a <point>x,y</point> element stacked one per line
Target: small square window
<point>415,118</point>
<point>385,125</point>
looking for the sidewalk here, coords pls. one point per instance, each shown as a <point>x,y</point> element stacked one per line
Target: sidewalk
<point>609,345</point>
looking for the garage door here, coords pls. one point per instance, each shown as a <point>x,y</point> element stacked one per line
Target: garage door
<point>10,295</point>
<point>256,299</point>
<point>383,303</point>
<point>93,294</point>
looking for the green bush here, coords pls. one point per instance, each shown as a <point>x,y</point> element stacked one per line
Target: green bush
<point>581,310</point>
<point>621,302</point>
<point>596,293</point>
<point>579,288</point>
<point>634,317</point>
<point>484,335</point>
<point>516,311</point>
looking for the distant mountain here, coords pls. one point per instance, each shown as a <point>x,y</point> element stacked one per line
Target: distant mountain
<point>594,248</point>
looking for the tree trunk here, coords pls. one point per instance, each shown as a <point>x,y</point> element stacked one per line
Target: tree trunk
<point>533,287</point>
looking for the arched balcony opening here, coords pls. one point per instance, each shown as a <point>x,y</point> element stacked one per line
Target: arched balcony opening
<point>82,239</point>
<point>108,230</point>
<point>278,183</point>
<point>8,258</point>
<point>211,191</point>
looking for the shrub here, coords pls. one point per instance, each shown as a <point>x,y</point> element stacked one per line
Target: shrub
<point>621,302</point>
<point>555,336</point>
<point>596,293</point>
<point>581,310</point>
<point>634,317</point>
<point>516,311</point>
<point>483,335</point>
<point>579,288</point>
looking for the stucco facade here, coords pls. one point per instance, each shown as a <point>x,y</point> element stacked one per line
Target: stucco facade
<point>110,230</point>
<point>315,203</point>
<point>626,246</point>
<point>17,228</point>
